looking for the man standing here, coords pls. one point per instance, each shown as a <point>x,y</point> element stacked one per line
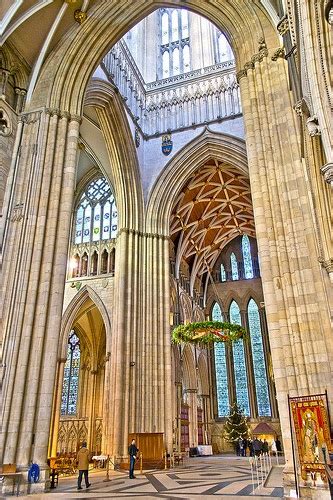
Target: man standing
<point>132,451</point>
<point>83,466</point>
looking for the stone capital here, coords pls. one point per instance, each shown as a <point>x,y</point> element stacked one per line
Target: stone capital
<point>327,172</point>
<point>313,126</point>
<point>301,107</point>
<point>278,53</point>
<point>327,264</point>
<point>283,25</point>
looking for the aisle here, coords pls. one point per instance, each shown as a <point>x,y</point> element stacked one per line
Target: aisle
<point>200,478</point>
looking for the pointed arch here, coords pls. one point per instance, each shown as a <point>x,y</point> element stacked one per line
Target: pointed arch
<point>124,173</point>
<point>189,369</point>
<point>209,145</point>
<point>73,60</point>
<point>238,352</point>
<point>71,311</point>
<point>258,355</point>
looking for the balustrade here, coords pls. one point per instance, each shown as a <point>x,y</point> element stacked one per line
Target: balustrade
<point>179,102</point>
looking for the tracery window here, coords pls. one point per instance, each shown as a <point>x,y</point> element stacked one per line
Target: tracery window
<point>242,393</point>
<point>96,215</point>
<point>234,267</point>
<point>223,273</point>
<point>70,387</point>
<point>175,43</point>
<point>247,259</point>
<point>259,367</point>
<point>221,369</point>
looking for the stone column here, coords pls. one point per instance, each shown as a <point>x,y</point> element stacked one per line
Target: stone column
<point>293,288</point>
<point>37,244</point>
<point>56,413</point>
<point>193,416</point>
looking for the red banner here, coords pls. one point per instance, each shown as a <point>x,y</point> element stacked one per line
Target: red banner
<point>310,418</point>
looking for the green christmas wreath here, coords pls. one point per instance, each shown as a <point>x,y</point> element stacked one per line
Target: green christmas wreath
<point>207,332</point>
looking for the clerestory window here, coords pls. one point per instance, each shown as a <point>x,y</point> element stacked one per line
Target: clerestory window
<point>174,42</point>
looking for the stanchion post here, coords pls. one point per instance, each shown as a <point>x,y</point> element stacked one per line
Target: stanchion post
<point>141,462</point>
<point>107,470</point>
<point>252,475</point>
<point>165,460</point>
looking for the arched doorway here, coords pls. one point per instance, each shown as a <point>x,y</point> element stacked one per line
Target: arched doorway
<point>79,393</point>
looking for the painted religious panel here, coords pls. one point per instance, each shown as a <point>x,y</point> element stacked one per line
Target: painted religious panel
<point>312,431</point>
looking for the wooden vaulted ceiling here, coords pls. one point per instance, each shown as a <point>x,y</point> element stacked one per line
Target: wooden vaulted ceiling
<point>214,207</point>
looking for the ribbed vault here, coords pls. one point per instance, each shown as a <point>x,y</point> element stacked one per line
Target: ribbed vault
<point>212,208</point>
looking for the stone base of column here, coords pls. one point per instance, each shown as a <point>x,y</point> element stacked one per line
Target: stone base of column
<point>14,486</point>
<point>306,488</point>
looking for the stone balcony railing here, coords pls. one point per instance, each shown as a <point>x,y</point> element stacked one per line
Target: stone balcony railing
<point>183,101</point>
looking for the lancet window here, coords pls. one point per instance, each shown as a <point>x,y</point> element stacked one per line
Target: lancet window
<point>242,393</point>
<point>175,42</point>
<point>70,387</point>
<point>247,259</point>
<point>221,369</point>
<point>223,273</point>
<point>234,267</point>
<point>96,214</point>
<point>259,365</point>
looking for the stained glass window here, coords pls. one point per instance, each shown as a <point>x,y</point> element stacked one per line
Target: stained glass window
<point>223,274</point>
<point>220,369</point>
<point>70,387</point>
<point>260,375</point>
<point>242,393</point>
<point>234,267</point>
<point>96,215</point>
<point>246,249</point>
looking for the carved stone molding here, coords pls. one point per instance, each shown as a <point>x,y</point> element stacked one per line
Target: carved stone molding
<point>327,172</point>
<point>31,117</point>
<point>241,74</point>
<point>256,58</point>
<point>140,233</point>
<point>5,123</point>
<point>313,126</point>
<point>301,107</point>
<point>280,52</point>
<point>283,25</point>
<point>17,213</point>
<point>80,16</point>
<point>327,264</point>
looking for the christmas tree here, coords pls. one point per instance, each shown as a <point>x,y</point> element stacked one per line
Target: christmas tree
<point>236,425</point>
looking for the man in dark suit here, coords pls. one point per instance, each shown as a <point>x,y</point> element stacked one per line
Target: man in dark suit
<point>132,451</point>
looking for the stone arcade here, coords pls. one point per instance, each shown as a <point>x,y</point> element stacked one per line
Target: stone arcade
<point>162,163</point>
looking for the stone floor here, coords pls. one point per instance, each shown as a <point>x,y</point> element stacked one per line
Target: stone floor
<point>199,478</point>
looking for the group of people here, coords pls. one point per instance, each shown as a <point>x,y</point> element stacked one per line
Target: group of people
<point>248,447</point>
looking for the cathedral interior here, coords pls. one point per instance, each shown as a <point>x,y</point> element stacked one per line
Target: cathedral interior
<point>162,164</point>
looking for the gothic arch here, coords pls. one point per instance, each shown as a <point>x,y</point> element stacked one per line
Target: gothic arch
<point>71,311</point>
<point>203,373</point>
<point>71,63</point>
<point>189,369</point>
<point>208,145</point>
<point>124,173</point>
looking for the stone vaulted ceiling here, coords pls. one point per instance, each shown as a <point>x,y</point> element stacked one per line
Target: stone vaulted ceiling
<point>213,208</point>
